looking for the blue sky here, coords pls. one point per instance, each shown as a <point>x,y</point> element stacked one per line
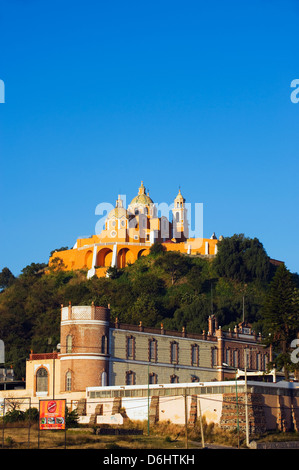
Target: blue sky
<point>101,95</point>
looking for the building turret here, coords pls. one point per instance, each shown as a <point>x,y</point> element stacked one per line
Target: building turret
<point>179,219</point>
<point>84,355</point>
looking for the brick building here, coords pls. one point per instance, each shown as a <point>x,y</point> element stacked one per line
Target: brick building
<point>94,351</point>
<point>105,366</point>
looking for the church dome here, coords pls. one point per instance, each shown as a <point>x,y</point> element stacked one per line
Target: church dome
<point>119,211</point>
<point>141,197</point>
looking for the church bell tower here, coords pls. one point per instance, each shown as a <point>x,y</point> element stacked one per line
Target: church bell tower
<point>179,219</point>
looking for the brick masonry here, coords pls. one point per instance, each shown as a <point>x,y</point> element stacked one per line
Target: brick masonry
<point>233,410</point>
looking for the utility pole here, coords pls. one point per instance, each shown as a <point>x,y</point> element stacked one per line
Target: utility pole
<point>237,405</point>
<point>53,375</point>
<point>186,418</point>
<point>148,402</point>
<point>201,425</point>
<point>246,398</point>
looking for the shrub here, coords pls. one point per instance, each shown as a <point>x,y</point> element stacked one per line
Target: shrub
<point>72,418</point>
<point>13,416</point>
<point>31,414</point>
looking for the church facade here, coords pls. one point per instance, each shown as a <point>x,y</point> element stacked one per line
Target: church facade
<point>129,233</point>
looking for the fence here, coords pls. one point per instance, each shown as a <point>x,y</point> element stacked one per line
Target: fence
<point>264,412</point>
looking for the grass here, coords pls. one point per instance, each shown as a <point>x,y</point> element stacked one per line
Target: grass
<point>163,435</point>
<point>17,438</point>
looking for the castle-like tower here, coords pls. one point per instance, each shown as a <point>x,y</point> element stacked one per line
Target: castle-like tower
<point>84,347</point>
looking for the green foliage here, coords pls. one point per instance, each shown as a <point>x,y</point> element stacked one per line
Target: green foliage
<point>243,259</point>
<point>32,415</point>
<point>281,316</point>
<point>113,272</point>
<point>157,248</point>
<point>14,416</point>
<point>6,278</point>
<point>71,418</point>
<point>174,265</point>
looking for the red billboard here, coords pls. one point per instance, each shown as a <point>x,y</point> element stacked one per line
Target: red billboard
<point>52,414</point>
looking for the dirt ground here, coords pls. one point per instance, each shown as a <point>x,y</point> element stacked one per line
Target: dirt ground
<point>22,438</point>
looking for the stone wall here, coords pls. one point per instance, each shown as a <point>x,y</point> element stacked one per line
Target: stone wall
<point>233,410</point>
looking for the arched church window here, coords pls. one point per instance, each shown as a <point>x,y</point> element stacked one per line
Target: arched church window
<point>69,344</point>
<point>68,381</point>
<point>104,379</point>
<point>42,380</point>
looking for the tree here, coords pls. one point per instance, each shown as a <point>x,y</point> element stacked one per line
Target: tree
<point>242,259</point>
<point>56,264</point>
<point>174,264</point>
<point>114,272</point>
<point>281,317</point>
<point>34,269</point>
<point>6,278</point>
<point>71,418</point>
<point>157,248</point>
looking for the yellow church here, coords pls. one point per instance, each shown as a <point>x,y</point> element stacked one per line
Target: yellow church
<point>128,233</point>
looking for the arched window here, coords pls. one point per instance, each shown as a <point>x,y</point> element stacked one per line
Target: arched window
<point>258,361</point>
<point>69,344</point>
<point>130,352</point>
<point>227,357</point>
<point>68,381</point>
<point>194,355</point>
<point>152,350</point>
<point>214,357</point>
<point>235,358</point>
<point>104,379</point>
<point>42,380</point>
<point>130,377</point>
<point>174,352</point>
<point>152,378</point>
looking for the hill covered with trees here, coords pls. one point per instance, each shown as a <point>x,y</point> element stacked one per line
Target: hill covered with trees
<point>178,290</point>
